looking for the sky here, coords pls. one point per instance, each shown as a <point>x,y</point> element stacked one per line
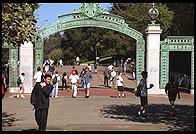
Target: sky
<point>48,13</point>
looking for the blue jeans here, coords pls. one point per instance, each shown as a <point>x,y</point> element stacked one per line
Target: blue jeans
<point>55,90</point>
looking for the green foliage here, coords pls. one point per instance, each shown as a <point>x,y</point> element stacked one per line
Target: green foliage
<point>56,54</point>
<point>183,21</point>
<point>136,15</point>
<point>18,22</point>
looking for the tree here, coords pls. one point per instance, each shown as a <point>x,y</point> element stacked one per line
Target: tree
<point>18,22</point>
<point>136,15</point>
<point>183,22</point>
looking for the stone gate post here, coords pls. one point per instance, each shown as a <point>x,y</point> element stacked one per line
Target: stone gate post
<point>153,32</point>
<point>26,65</point>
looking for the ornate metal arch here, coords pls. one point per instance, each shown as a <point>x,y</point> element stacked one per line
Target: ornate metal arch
<point>91,15</point>
<point>175,43</point>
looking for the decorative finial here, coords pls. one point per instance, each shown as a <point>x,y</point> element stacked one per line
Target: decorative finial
<point>153,14</point>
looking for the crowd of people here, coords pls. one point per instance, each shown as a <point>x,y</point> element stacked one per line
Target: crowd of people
<point>46,85</point>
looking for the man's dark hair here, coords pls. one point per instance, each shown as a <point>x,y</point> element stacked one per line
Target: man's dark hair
<point>144,73</point>
<point>38,69</point>
<point>23,74</point>
<point>47,75</point>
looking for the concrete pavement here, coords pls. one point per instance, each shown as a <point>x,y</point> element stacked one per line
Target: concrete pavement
<point>100,113</point>
<point>103,111</point>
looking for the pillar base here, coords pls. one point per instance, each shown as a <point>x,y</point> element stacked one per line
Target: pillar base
<point>159,91</point>
<point>192,91</point>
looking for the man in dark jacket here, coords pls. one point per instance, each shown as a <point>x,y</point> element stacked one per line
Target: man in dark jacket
<point>40,100</point>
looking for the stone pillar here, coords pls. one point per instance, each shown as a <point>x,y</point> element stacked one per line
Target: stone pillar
<point>26,65</point>
<point>153,57</point>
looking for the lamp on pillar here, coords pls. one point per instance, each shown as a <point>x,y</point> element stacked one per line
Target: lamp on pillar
<point>153,13</point>
<point>153,33</point>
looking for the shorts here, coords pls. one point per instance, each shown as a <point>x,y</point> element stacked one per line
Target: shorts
<point>120,88</point>
<point>144,101</point>
<point>87,85</point>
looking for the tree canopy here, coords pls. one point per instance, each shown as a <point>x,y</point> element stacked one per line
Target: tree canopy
<point>18,22</point>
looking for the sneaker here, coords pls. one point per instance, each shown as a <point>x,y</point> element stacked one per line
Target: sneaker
<point>86,96</point>
<point>138,113</point>
<point>22,96</point>
<point>119,95</point>
<point>17,96</point>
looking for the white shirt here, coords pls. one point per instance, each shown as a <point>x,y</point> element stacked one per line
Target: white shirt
<point>110,67</point>
<point>77,58</point>
<point>22,79</point>
<point>119,81</point>
<point>89,68</point>
<point>58,77</point>
<point>61,61</point>
<point>113,73</point>
<point>38,76</point>
<point>74,78</point>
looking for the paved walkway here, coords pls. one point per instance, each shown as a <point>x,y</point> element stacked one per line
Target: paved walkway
<point>100,113</point>
<point>103,111</point>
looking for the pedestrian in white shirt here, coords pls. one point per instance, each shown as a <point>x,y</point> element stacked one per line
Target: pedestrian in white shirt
<point>38,75</point>
<point>120,84</point>
<point>74,79</point>
<point>21,85</point>
<point>55,79</point>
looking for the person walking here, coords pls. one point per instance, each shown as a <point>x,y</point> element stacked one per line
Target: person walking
<point>64,81</point>
<point>89,67</point>
<point>38,75</point>
<point>143,94</point>
<point>106,76</point>
<point>171,89</point>
<point>82,77</point>
<point>77,61</point>
<point>3,87</point>
<point>40,100</point>
<point>55,80</point>
<point>74,69</point>
<point>61,62</point>
<point>20,82</point>
<point>120,85</point>
<point>112,78</point>
<point>74,79</point>
<point>87,80</point>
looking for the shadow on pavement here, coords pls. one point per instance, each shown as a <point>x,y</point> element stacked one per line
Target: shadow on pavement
<point>30,129</point>
<point>157,113</point>
<point>129,89</point>
<point>8,119</point>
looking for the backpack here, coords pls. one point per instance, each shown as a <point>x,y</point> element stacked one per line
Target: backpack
<point>33,98</point>
<point>138,91</point>
<point>18,81</point>
<point>54,80</point>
